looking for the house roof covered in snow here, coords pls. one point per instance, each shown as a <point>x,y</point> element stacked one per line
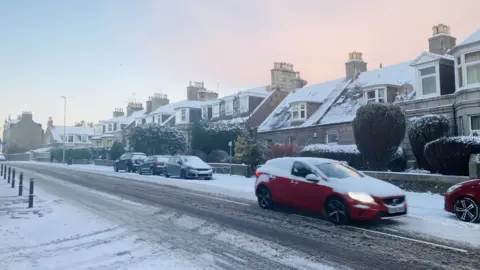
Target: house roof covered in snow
<point>474,38</point>
<point>339,99</point>
<point>57,131</point>
<point>126,120</point>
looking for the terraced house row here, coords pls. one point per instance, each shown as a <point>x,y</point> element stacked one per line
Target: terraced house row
<point>443,80</point>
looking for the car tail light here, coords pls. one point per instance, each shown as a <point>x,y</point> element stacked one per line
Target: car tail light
<point>155,164</point>
<point>257,174</point>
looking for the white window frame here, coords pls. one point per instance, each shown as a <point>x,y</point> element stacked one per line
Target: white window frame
<point>377,97</point>
<point>327,141</point>
<point>72,138</point>
<point>204,112</point>
<point>181,116</point>
<point>463,66</point>
<point>470,124</point>
<point>420,78</point>
<point>299,107</point>
<point>243,103</point>
<point>470,64</point>
<point>109,127</point>
<point>229,105</point>
<point>215,110</point>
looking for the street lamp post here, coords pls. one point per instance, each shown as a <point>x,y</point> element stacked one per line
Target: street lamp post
<point>64,125</point>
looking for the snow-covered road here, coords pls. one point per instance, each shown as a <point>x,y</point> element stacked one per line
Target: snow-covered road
<point>237,227</point>
<point>426,217</point>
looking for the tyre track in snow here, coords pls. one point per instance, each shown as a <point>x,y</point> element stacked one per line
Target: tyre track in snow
<point>316,238</point>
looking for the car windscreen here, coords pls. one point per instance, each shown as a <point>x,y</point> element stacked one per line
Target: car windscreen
<point>163,159</point>
<point>337,170</point>
<point>136,156</point>
<point>193,161</point>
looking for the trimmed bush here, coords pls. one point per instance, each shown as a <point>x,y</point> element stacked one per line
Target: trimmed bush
<point>451,155</point>
<point>424,130</point>
<point>379,129</point>
<point>282,150</point>
<point>351,155</point>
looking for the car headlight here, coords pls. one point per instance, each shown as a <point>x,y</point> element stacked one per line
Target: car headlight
<point>452,188</point>
<point>361,197</point>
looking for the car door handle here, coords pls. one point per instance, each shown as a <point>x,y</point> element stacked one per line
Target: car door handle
<point>272,176</point>
<point>293,182</point>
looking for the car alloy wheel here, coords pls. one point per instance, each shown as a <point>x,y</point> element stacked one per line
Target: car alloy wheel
<point>183,174</point>
<point>139,171</point>
<point>115,168</point>
<point>264,198</point>
<point>466,209</point>
<point>337,211</point>
<point>152,171</point>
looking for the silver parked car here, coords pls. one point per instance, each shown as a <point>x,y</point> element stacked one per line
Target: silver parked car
<point>188,167</point>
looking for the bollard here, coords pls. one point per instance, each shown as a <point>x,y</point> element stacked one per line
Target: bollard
<point>1,171</point>
<point>30,195</point>
<point>9,174</point>
<point>13,178</point>
<point>20,185</point>
<point>5,173</point>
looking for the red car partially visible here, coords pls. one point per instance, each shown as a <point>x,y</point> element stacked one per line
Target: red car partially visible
<point>463,199</point>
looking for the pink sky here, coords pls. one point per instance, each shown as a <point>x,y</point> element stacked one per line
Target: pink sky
<point>137,47</point>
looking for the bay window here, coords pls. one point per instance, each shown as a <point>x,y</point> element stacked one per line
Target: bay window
<point>110,127</point>
<point>475,124</point>
<point>181,116</point>
<point>299,111</point>
<point>428,78</point>
<point>472,65</point>
<point>375,95</point>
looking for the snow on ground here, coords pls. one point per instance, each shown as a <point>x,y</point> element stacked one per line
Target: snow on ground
<point>426,214</point>
<point>56,235</point>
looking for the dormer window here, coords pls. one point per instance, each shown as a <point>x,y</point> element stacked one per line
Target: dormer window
<point>375,95</point>
<point>216,110</point>
<point>299,111</point>
<point>205,112</point>
<point>229,107</point>
<point>181,116</point>
<point>243,104</point>
<point>428,77</point>
<point>472,64</point>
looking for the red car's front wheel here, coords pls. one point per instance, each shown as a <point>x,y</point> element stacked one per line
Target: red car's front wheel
<point>466,209</point>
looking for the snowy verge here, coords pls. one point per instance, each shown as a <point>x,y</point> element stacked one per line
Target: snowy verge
<point>58,235</point>
<point>426,215</point>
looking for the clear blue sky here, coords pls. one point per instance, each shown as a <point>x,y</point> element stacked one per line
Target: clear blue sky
<point>99,52</point>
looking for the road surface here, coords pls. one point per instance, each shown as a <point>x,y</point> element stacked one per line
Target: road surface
<point>207,217</point>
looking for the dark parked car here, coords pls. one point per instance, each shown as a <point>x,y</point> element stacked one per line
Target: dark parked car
<point>129,161</point>
<point>188,167</point>
<point>153,165</point>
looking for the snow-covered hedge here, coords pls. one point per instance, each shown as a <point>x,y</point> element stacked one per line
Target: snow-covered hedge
<point>350,154</point>
<point>423,130</point>
<point>450,155</point>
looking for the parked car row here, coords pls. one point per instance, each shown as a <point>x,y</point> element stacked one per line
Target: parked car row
<point>318,185</point>
<point>182,166</point>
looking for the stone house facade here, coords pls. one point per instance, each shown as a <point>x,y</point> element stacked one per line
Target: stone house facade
<point>445,80</point>
<point>22,134</point>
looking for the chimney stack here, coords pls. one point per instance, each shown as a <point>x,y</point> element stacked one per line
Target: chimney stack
<point>133,107</point>
<point>441,41</point>
<point>148,104</point>
<point>355,65</point>
<point>159,100</point>
<point>117,112</point>
<point>50,122</point>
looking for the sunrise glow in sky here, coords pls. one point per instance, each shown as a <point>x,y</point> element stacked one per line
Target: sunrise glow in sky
<point>99,52</point>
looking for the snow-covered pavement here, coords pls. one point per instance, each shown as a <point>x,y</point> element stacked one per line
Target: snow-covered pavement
<point>426,216</point>
<point>57,235</point>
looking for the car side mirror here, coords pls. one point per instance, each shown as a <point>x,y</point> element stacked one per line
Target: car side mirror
<point>312,178</point>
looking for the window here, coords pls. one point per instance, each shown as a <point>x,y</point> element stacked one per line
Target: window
<point>475,124</point>
<point>337,170</point>
<point>331,138</point>
<point>472,64</point>
<point>70,138</point>
<point>291,141</point>
<point>376,95</point>
<point>428,79</point>
<point>115,126</point>
<point>269,142</point>
<point>300,169</point>
<point>110,127</point>
<point>243,104</point>
<point>216,110</point>
<point>205,112</point>
<point>228,107</point>
<point>299,111</point>
<point>181,116</point>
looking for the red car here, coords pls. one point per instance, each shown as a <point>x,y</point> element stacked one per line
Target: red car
<point>463,199</point>
<point>327,187</point>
